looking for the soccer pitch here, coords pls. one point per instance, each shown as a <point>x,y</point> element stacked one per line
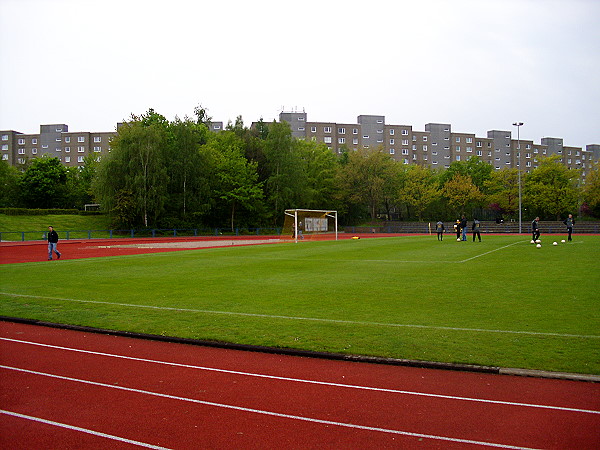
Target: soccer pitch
<point>500,302</point>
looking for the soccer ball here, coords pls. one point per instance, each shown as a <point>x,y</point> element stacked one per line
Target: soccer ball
<point>458,240</point>
<point>532,241</point>
<point>563,241</point>
<point>539,246</point>
<point>555,243</point>
<point>538,242</point>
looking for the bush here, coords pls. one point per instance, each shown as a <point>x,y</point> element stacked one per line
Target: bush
<point>36,212</point>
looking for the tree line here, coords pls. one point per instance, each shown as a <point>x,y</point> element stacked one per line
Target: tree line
<point>177,173</point>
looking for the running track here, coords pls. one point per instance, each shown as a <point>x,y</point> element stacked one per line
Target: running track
<point>70,389</point>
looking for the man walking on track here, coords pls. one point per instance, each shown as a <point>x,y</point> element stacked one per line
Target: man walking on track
<point>52,243</point>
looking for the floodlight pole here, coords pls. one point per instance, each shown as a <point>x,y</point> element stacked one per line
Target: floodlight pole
<point>518,125</point>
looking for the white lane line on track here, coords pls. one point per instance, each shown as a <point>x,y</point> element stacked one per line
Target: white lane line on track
<point>300,380</point>
<point>82,430</point>
<point>271,413</point>
<point>310,319</point>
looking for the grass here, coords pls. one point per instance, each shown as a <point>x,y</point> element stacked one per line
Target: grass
<point>501,302</point>
<point>11,227</point>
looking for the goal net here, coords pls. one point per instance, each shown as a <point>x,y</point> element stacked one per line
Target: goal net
<point>310,224</point>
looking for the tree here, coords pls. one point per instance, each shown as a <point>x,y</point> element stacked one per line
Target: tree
<point>460,191</point>
<point>237,185</point>
<point>419,190</point>
<point>136,167</point>
<point>503,191</point>
<point>551,188</point>
<point>9,183</point>
<point>477,170</point>
<point>591,191</point>
<point>44,184</point>
<point>369,178</point>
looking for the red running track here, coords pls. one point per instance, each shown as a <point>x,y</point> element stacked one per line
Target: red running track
<point>69,389</point>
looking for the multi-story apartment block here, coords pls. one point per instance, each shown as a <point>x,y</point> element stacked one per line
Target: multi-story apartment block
<point>438,146</point>
<point>57,141</point>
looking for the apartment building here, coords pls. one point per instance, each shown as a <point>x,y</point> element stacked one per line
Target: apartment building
<point>437,146</point>
<point>55,140</point>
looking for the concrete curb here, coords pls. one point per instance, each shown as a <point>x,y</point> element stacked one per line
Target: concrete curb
<point>321,355</point>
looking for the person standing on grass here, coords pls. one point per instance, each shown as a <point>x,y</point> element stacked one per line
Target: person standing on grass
<point>463,227</point>
<point>569,222</point>
<point>535,229</point>
<point>52,243</point>
<point>476,229</point>
<point>439,228</point>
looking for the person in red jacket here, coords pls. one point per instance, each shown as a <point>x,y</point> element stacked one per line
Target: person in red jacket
<point>52,243</point>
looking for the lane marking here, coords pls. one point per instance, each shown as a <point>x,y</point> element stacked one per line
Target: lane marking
<point>491,251</point>
<point>271,413</point>
<point>82,430</point>
<point>300,380</point>
<point>310,319</point>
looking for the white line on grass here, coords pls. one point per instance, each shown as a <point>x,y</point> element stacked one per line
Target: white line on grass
<point>269,413</point>
<point>311,319</point>
<point>83,430</point>
<point>300,380</point>
<point>491,251</point>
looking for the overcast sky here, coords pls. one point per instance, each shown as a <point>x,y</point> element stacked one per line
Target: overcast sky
<point>478,65</point>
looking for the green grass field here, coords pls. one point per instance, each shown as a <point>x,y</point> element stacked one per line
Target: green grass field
<point>501,302</point>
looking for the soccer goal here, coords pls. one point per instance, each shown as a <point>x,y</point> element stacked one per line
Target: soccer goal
<point>310,224</point>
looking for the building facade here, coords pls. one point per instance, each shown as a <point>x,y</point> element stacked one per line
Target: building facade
<point>438,146</point>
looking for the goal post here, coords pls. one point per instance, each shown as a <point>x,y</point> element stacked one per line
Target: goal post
<point>309,224</point>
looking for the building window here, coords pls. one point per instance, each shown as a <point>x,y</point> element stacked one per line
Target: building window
<point>424,138</point>
<point>97,138</point>
<point>366,136</point>
<point>80,139</point>
<point>478,144</point>
<point>469,140</point>
<point>21,151</point>
<point>469,149</point>
<point>405,151</point>
<point>5,147</point>
<point>327,139</point>
<point>21,141</point>
<point>5,137</point>
<point>327,129</point>
<point>425,148</point>
<point>67,159</point>
<point>341,140</point>
<point>355,141</point>
<point>458,148</point>
<point>67,149</point>
<point>404,132</point>
<point>479,153</point>
<point>458,157</point>
<point>80,159</point>
<point>404,141</point>
<point>300,128</point>
<point>34,151</point>
<point>34,141</point>
<point>81,149</point>
<point>67,139</point>
<point>58,149</point>
<point>391,131</point>
<point>97,149</point>
<point>457,138</point>
<point>391,142</point>
<point>313,129</point>
<point>341,130</point>
<point>392,151</point>
<point>354,130</point>
<point>5,157</point>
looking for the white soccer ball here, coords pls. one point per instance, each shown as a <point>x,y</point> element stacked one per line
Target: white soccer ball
<point>563,241</point>
<point>457,240</point>
<point>555,243</point>
<point>538,242</point>
<point>532,241</point>
<point>539,246</point>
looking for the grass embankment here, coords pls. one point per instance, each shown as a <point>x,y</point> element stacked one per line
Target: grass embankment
<point>34,226</point>
<point>501,302</point>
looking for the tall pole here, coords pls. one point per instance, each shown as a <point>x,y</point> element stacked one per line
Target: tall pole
<point>518,125</point>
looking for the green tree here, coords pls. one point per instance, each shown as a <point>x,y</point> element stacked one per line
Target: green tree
<point>591,190</point>
<point>551,189</point>
<point>136,166</point>
<point>503,191</point>
<point>320,166</point>
<point>368,179</point>
<point>44,184</point>
<point>477,170</point>
<point>9,185</point>
<point>237,185</point>
<point>419,189</point>
<point>460,191</point>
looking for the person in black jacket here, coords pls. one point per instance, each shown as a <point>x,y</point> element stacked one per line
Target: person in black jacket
<point>535,229</point>
<point>569,222</point>
<point>52,243</point>
<point>440,228</point>
<point>463,227</point>
<point>476,229</point>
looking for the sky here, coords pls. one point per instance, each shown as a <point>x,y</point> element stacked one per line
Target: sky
<point>478,65</point>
